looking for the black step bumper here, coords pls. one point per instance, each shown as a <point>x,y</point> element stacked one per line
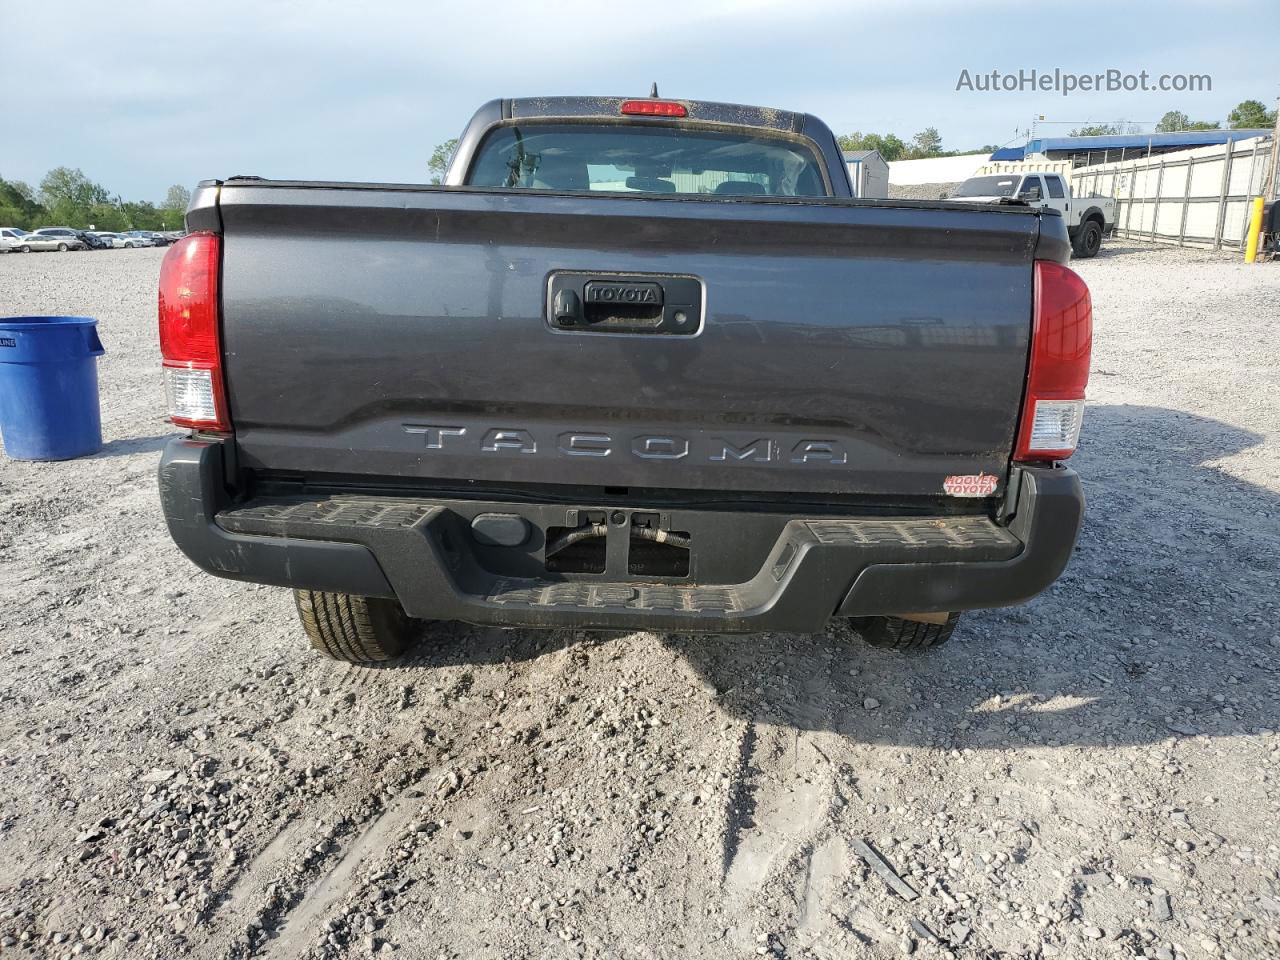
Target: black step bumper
<point>420,551</point>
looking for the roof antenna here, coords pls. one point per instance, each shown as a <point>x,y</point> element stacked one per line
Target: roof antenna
<point>653,90</point>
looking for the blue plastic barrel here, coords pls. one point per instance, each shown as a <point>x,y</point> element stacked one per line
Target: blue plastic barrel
<point>49,387</point>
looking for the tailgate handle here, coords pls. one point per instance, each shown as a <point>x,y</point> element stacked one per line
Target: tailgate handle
<point>623,305</point>
<point>585,303</point>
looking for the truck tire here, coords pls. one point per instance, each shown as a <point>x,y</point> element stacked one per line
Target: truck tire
<point>355,629</point>
<point>894,633</point>
<point>1088,240</point>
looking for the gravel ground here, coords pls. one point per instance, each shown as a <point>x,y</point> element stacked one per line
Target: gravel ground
<point>1091,775</point>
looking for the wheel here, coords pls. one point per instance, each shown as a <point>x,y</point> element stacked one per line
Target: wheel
<point>355,629</point>
<point>25,248</point>
<point>1088,240</point>
<point>895,633</point>
<point>62,248</point>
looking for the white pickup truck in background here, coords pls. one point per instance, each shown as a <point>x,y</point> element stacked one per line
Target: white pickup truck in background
<point>1088,218</point>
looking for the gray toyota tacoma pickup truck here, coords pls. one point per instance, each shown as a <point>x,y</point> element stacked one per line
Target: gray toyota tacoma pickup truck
<point>639,364</point>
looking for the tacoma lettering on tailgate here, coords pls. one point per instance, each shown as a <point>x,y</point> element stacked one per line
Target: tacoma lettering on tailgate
<point>588,443</point>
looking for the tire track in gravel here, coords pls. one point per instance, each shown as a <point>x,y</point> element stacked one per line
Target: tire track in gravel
<point>295,878</point>
<point>826,863</point>
<point>740,801</point>
<point>268,896</point>
<point>790,860</point>
<point>306,916</point>
<point>267,862</point>
<point>788,815</point>
<point>296,917</point>
<point>776,821</point>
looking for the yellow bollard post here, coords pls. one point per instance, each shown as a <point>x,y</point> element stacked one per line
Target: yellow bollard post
<point>1255,227</point>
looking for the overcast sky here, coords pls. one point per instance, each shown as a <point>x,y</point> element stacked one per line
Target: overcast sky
<point>143,94</point>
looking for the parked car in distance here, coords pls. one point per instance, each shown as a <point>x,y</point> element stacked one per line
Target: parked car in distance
<point>35,243</point>
<point>1088,219</point>
<point>11,239</point>
<point>113,240</point>
<point>137,238</point>
<point>61,239</point>
<point>94,240</point>
<point>159,239</point>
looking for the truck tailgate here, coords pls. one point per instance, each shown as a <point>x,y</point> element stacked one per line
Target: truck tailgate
<point>410,332</point>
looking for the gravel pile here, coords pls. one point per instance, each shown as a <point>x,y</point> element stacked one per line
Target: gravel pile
<point>1093,775</point>
<point>921,191</point>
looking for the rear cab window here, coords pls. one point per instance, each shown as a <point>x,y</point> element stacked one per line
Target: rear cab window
<point>1055,187</point>
<point>627,158</point>
<point>994,186</point>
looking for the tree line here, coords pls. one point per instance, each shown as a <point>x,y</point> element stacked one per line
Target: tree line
<point>923,146</point>
<point>1246,115</point>
<point>68,198</point>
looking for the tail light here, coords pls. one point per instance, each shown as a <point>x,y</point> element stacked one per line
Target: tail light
<point>189,334</point>
<point>654,108</point>
<point>1061,341</point>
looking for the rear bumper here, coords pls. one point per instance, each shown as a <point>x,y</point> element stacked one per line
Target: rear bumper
<point>420,551</point>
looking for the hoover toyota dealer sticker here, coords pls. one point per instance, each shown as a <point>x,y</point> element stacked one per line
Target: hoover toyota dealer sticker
<point>970,485</point>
